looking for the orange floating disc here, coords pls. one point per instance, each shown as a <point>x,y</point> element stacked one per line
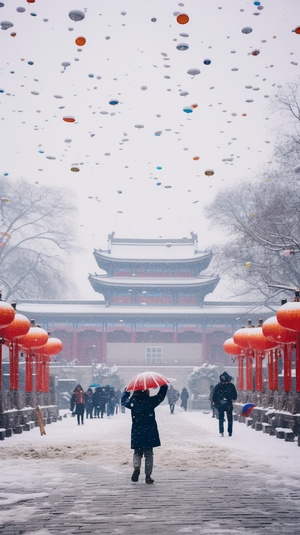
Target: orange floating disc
<point>182,18</point>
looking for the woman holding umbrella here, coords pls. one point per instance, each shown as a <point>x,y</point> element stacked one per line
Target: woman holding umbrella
<point>144,430</point>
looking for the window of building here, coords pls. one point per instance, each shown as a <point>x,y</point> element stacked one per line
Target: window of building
<point>153,355</point>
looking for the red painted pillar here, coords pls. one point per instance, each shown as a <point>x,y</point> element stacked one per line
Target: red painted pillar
<point>43,363</point>
<point>249,370</point>
<point>204,348</point>
<point>258,370</point>
<point>75,346</point>
<point>275,368</point>
<point>104,346</point>
<point>287,367</point>
<point>14,366</point>
<point>298,363</point>
<point>133,337</point>
<point>240,372</point>
<point>271,369</point>
<point>175,338</point>
<point>0,366</point>
<point>38,373</point>
<point>47,373</point>
<point>28,371</point>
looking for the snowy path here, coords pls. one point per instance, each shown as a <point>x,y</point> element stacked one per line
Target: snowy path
<point>76,480</point>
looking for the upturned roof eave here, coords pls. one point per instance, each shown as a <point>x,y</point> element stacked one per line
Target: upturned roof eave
<point>138,282</point>
<point>109,258</point>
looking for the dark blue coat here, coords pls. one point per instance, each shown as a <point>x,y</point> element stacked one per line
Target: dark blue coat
<point>144,431</point>
<point>223,395</point>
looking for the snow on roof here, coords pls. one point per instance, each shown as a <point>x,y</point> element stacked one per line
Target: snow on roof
<point>85,308</point>
<point>153,249</point>
<point>153,281</point>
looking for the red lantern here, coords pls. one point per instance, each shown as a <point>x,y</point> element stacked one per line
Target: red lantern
<point>18,328</point>
<point>35,338</point>
<point>7,314</point>
<point>275,332</point>
<point>288,315</point>
<point>52,347</point>
<point>258,341</point>
<point>231,348</point>
<point>240,337</point>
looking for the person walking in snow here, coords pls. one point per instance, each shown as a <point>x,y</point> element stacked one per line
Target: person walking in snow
<point>173,396</point>
<point>144,430</point>
<point>184,398</point>
<point>89,404</point>
<point>223,396</point>
<point>78,402</point>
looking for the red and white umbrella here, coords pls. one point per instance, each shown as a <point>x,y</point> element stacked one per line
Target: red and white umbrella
<point>146,380</point>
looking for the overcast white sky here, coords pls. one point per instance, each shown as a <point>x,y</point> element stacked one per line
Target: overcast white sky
<point>137,173</point>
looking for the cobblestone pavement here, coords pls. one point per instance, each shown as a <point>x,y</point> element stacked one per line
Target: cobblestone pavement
<point>104,500</point>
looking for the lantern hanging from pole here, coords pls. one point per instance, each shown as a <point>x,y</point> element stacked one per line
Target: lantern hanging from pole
<point>272,330</point>
<point>231,348</point>
<point>288,316</point>
<point>7,313</point>
<point>17,329</point>
<point>258,341</point>
<point>36,337</point>
<point>52,347</point>
<point>240,337</point>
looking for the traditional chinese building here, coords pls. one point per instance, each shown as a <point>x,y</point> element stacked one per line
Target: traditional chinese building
<point>152,310</point>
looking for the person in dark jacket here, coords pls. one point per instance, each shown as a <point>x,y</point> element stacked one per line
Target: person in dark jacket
<point>99,399</point>
<point>184,396</point>
<point>173,396</point>
<point>223,396</point>
<point>89,404</point>
<point>78,400</point>
<point>212,405</point>
<point>144,430</point>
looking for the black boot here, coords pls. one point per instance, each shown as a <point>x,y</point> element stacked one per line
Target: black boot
<point>135,475</point>
<point>149,480</point>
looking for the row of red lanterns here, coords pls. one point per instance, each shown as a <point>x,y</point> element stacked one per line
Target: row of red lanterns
<point>273,338</point>
<point>18,332</point>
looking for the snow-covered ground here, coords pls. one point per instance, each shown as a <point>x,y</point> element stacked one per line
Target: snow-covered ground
<point>190,440</point>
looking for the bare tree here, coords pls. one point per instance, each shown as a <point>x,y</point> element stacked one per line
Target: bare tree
<point>36,233</point>
<point>262,220</point>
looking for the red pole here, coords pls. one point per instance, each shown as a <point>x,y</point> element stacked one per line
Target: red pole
<point>28,371</point>
<point>275,368</point>
<point>47,373</point>
<point>44,361</point>
<point>258,368</point>
<point>13,366</point>
<point>38,373</point>
<point>287,367</point>
<point>240,372</point>
<point>298,363</point>
<point>249,370</point>
<point>0,366</point>
<point>270,369</point>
